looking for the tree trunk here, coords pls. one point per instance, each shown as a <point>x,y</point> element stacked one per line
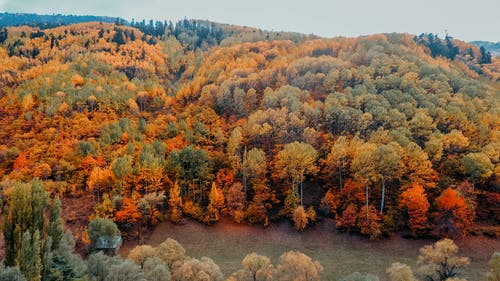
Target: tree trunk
<point>383,197</point>
<point>366,194</point>
<point>245,187</point>
<point>340,175</point>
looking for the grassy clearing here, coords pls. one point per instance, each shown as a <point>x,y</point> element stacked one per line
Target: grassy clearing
<point>340,254</point>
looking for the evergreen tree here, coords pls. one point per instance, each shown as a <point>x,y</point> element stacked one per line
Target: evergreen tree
<point>29,260</point>
<point>55,223</point>
<point>485,56</point>
<point>4,34</point>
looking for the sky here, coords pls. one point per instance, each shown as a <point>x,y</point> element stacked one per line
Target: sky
<point>463,19</point>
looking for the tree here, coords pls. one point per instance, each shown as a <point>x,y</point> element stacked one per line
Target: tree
<point>477,165</point>
<point>4,34</point>
<point>414,201</point>
<point>300,218</point>
<point>348,219</point>
<point>156,270</point>
<point>55,228</point>
<point>24,212</point>
<point>400,272</point>
<point>254,165</point>
<point>99,266</point>
<point>485,56</point>
<point>175,203</point>
<point>235,197</point>
<point>139,254</point>
<point>29,259</point>
<point>129,214</point>
<point>125,271</point>
<point>494,273</point>
<point>363,168</point>
<point>369,225</point>
<point>387,165</point>
<point>455,214</point>
<point>216,201</point>
<point>294,161</point>
<point>194,269</point>
<point>259,267</point>
<point>171,252</point>
<point>440,261</point>
<point>11,274</point>
<point>100,228</point>
<point>330,203</point>
<point>297,266</point>
<point>118,37</point>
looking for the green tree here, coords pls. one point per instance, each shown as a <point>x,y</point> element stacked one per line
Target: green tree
<point>259,267</point>
<point>100,228</point>
<point>30,260</point>
<point>55,228</point>
<point>24,211</point>
<point>125,271</point>
<point>477,165</point>
<point>11,274</point>
<point>156,270</point>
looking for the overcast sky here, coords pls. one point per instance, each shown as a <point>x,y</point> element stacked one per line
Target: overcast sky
<point>463,19</point>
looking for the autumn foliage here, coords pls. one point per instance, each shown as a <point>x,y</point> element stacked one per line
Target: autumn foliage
<point>414,201</point>
<point>455,215</point>
<point>146,122</point>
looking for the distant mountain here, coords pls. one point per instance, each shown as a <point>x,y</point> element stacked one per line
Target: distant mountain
<point>49,21</point>
<point>493,48</point>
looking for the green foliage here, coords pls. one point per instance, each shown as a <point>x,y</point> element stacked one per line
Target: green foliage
<point>11,274</point>
<point>25,214</point>
<point>100,228</point>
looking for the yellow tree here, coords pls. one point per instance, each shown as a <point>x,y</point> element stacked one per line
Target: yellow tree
<point>294,161</point>
<point>216,199</point>
<point>175,203</point>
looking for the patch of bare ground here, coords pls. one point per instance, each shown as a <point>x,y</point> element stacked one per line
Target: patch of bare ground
<point>227,243</point>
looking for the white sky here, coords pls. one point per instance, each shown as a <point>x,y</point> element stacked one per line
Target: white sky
<point>463,19</point>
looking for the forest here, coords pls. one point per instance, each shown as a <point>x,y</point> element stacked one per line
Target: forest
<point>109,129</point>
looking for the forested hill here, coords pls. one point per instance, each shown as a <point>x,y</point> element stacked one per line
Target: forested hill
<point>384,133</point>
<point>49,21</point>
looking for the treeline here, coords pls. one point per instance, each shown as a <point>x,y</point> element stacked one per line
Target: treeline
<point>37,249</point>
<point>48,21</point>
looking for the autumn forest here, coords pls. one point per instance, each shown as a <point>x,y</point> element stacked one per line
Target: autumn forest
<point>108,129</point>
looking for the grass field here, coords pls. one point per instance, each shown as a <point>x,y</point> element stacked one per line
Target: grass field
<point>340,254</point>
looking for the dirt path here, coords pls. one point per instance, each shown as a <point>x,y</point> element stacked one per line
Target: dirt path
<point>340,254</point>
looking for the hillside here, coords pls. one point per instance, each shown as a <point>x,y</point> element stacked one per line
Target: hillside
<point>205,120</point>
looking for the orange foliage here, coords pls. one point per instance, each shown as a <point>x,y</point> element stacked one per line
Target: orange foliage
<point>129,212</point>
<point>347,220</point>
<point>330,202</point>
<point>21,161</point>
<point>369,222</point>
<point>414,200</point>
<point>455,215</point>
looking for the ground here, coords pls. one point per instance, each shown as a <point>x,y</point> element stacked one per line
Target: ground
<point>227,243</point>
